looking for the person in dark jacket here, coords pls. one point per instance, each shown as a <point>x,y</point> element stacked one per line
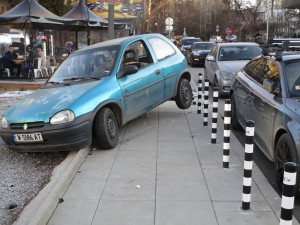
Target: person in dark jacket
<point>8,61</point>
<point>29,59</point>
<point>259,39</point>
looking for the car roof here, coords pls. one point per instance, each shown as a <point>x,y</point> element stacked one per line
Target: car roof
<point>204,42</point>
<point>290,56</point>
<point>238,44</point>
<point>121,41</point>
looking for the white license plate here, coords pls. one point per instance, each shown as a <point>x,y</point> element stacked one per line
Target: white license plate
<point>33,137</point>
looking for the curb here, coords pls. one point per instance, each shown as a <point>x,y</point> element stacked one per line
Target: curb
<point>40,209</point>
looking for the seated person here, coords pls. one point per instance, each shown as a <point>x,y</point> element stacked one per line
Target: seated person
<point>8,61</point>
<point>100,67</point>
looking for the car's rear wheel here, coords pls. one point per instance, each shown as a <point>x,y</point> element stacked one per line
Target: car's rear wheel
<point>184,95</point>
<point>106,131</point>
<point>285,152</point>
<point>235,124</point>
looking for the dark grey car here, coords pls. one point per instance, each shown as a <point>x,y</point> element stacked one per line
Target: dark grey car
<point>267,91</point>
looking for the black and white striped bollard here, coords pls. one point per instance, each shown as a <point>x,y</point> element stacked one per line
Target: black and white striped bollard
<point>214,117</point>
<point>288,193</point>
<point>205,105</point>
<point>199,92</point>
<point>226,140</point>
<point>248,165</point>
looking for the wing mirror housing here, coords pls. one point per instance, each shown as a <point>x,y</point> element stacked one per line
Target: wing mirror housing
<point>127,70</point>
<point>210,58</point>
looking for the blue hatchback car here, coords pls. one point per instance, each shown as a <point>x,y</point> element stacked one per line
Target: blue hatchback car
<point>95,91</point>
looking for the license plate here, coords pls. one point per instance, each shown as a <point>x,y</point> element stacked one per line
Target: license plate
<point>33,137</point>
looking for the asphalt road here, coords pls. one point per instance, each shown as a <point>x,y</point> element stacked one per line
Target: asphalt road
<point>265,165</point>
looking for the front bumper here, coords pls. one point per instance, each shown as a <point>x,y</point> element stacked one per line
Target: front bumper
<point>64,137</point>
<point>198,60</point>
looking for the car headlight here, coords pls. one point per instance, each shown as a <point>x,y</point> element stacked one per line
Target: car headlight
<point>4,123</point>
<point>226,75</point>
<point>61,117</point>
<point>196,53</point>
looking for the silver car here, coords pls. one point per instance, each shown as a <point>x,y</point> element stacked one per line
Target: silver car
<point>225,59</point>
<point>267,91</point>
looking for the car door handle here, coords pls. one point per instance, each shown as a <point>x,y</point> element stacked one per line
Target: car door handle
<point>157,72</point>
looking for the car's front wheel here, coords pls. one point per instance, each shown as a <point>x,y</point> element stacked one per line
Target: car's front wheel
<point>285,152</point>
<point>184,95</point>
<point>106,131</point>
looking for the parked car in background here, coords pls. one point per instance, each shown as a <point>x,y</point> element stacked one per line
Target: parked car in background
<point>225,59</point>
<point>267,91</point>
<point>196,55</point>
<point>186,43</point>
<point>94,91</point>
<point>216,39</point>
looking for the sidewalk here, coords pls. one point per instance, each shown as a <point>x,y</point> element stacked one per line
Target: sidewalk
<point>165,171</point>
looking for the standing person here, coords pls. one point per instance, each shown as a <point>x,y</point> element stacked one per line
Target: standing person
<point>40,54</point>
<point>259,39</point>
<point>29,59</point>
<point>21,46</point>
<point>8,61</point>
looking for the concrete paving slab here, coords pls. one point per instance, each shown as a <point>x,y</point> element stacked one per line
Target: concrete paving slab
<point>178,157</point>
<point>174,145</point>
<point>217,172</point>
<point>136,157</point>
<point>182,190</point>
<point>74,211</point>
<point>179,172</point>
<point>85,189</point>
<point>125,213</point>
<point>127,171</point>
<point>129,190</point>
<point>184,213</point>
<point>215,157</point>
<point>91,170</point>
<point>237,206</point>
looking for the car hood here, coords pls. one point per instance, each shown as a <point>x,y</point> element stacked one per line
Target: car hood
<point>293,104</point>
<point>44,103</point>
<point>232,66</point>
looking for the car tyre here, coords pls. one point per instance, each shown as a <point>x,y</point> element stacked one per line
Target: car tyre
<point>235,124</point>
<point>285,151</point>
<point>184,95</point>
<point>106,131</point>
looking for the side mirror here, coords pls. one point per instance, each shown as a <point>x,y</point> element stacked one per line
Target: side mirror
<point>268,85</point>
<point>210,58</point>
<point>127,70</point>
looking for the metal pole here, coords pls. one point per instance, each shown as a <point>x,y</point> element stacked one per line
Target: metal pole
<point>248,165</point>
<point>206,92</point>
<point>214,123</point>
<point>226,140</point>
<point>288,193</point>
<point>199,93</point>
<point>111,21</point>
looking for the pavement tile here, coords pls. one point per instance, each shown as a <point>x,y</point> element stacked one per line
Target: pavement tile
<point>246,218</point>
<point>92,170</point>
<point>178,157</point>
<point>185,213</point>
<point>179,172</point>
<point>232,206</point>
<point>129,190</point>
<point>217,172</point>
<point>74,211</point>
<point>136,157</point>
<point>85,189</point>
<point>181,190</point>
<point>231,191</point>
<point>215,157</point>
<point>167,145</point>
<point>133,171</point>
<point>125,213</point>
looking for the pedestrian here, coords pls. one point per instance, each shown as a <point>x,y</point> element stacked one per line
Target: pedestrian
<point>8,61</point>
<point>259,39</point>
<point>21,46</point>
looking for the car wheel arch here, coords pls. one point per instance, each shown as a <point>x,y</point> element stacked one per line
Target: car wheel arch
<point>185,75</point>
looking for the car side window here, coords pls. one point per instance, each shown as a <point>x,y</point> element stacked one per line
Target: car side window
<point>161,48</point>
<point>138,54</point>
<point>213,52</point>
<point>256,69</point>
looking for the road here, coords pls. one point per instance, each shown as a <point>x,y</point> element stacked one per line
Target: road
<point>265,165</point>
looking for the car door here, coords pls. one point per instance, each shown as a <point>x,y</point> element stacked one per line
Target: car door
<point>210,64</point>
<point>142,90</point>
<point>264,104</point>
<point>164,59</point>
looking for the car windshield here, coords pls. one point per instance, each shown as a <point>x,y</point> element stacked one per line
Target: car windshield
<point>292,73</point>
<point>86,65</point>
<point>203,46</point>
<point>234,53</point>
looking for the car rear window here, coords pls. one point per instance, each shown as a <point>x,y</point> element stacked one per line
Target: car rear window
<point>233,53</point>
<point>161,48</point>
<point>190,41</point>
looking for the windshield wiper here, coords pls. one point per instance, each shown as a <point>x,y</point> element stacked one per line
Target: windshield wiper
<point>74,78</point>
<point>56,83</point>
